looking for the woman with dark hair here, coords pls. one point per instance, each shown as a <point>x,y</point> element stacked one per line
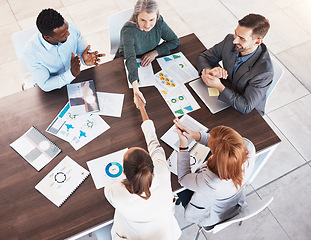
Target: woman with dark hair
<point>141,36</point>
<point>143,202</point>
<point>215,191</point>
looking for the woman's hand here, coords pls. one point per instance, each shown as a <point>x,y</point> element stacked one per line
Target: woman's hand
<point>148,58</point>
<point>138,96</point>
<point>185,131</point>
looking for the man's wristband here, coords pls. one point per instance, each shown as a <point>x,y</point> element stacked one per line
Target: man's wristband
<point>183,148</point>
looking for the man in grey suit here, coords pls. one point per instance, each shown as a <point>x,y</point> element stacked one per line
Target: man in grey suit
<point>246,64</point>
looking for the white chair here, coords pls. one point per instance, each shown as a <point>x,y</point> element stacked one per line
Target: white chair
<point>116,22</point>
<point>250,210</point>
<point>104,233</point>
<point>278,73</point>
<point>19,41</point>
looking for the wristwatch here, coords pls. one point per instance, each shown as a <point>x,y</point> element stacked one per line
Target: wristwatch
<point>183,148</point>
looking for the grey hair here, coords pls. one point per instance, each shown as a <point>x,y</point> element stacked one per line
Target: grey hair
<point>149,6</point>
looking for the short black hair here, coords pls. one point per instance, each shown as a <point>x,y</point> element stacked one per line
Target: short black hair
<point>48,20</point>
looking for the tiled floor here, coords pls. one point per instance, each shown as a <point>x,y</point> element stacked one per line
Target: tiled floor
<point>287,175</point>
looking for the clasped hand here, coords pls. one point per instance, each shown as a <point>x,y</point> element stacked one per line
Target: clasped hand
<point>211,77</point>
<point>185,133</point>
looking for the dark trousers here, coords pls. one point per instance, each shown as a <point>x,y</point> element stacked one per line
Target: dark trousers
<point>184,197</point>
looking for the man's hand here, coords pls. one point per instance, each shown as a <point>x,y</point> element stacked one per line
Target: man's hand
<point>211,77</point>
<point>148,58</point>
<point>91,58</point>
<point>219,72</point>
<point>75,65</point>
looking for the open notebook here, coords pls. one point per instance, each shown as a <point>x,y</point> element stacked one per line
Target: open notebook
<point>62,181</point>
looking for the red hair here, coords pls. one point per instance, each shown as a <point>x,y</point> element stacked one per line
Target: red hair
<point>229,153</point>
<point>138,169</point>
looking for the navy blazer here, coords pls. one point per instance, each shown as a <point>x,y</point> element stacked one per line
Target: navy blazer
<point>250,82</point>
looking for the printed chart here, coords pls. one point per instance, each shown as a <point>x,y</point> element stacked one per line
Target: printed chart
<point>145,75</point>
<point>179,67</point>
<point>180,101</point>
<point>78,130</point>
<point>165,83</point>
<point>107,168</point>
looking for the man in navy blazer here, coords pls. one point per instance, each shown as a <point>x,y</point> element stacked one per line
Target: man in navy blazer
<point>246,64</point>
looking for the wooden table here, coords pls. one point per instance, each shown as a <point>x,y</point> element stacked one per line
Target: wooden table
<point>27,214</point>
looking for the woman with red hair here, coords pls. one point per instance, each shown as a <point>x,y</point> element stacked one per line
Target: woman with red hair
<point>215,191</point>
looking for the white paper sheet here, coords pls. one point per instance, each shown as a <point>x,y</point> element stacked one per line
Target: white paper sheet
<point>179,100</point>
<point>165,83</point>
<point>171,136</point>
<point>78,130</point>
<point>107,168</point>
<point>179,67</point>
<point>145,74</point>
<point>110,104</point>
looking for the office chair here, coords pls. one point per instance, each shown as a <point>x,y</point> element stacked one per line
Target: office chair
<point>19,41</point>
<point>252,208</point>
<point>116,22</point>
<point>278,73</point>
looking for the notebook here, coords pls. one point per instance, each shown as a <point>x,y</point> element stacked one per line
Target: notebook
<point>82,97</point>
<point>198,155</point>
<point>209,96</point>
<point>35,148</point>
<point>62,181</point>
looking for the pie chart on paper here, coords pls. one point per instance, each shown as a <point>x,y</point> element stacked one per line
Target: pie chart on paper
<point>113,169</point>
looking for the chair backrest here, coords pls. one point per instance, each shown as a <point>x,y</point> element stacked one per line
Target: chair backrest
<point>278,73</point>
<point>252,208</point>
<point>19,41</point>
<point>116,22</point>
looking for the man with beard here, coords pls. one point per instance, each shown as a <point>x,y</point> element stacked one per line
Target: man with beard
<point>55,54</point>
<point>246,64</point>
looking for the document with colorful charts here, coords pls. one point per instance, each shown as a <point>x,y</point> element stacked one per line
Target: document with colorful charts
<point>179,67</point>
<point>197,156</point>
<point>62,181</point>
<point>78,130</point>
<point>145,74</point>
<point>171,136</point>
<point>165,83</point>
<point>179,100</point>
<point>107,169</point>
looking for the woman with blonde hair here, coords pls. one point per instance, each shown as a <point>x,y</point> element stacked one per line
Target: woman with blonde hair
<point>140,38</point>
<point>215,191</point>
<point>143,202</point>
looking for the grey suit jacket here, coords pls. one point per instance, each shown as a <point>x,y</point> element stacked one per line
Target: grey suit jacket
<point>214,200</point>
<point>250,82</point>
